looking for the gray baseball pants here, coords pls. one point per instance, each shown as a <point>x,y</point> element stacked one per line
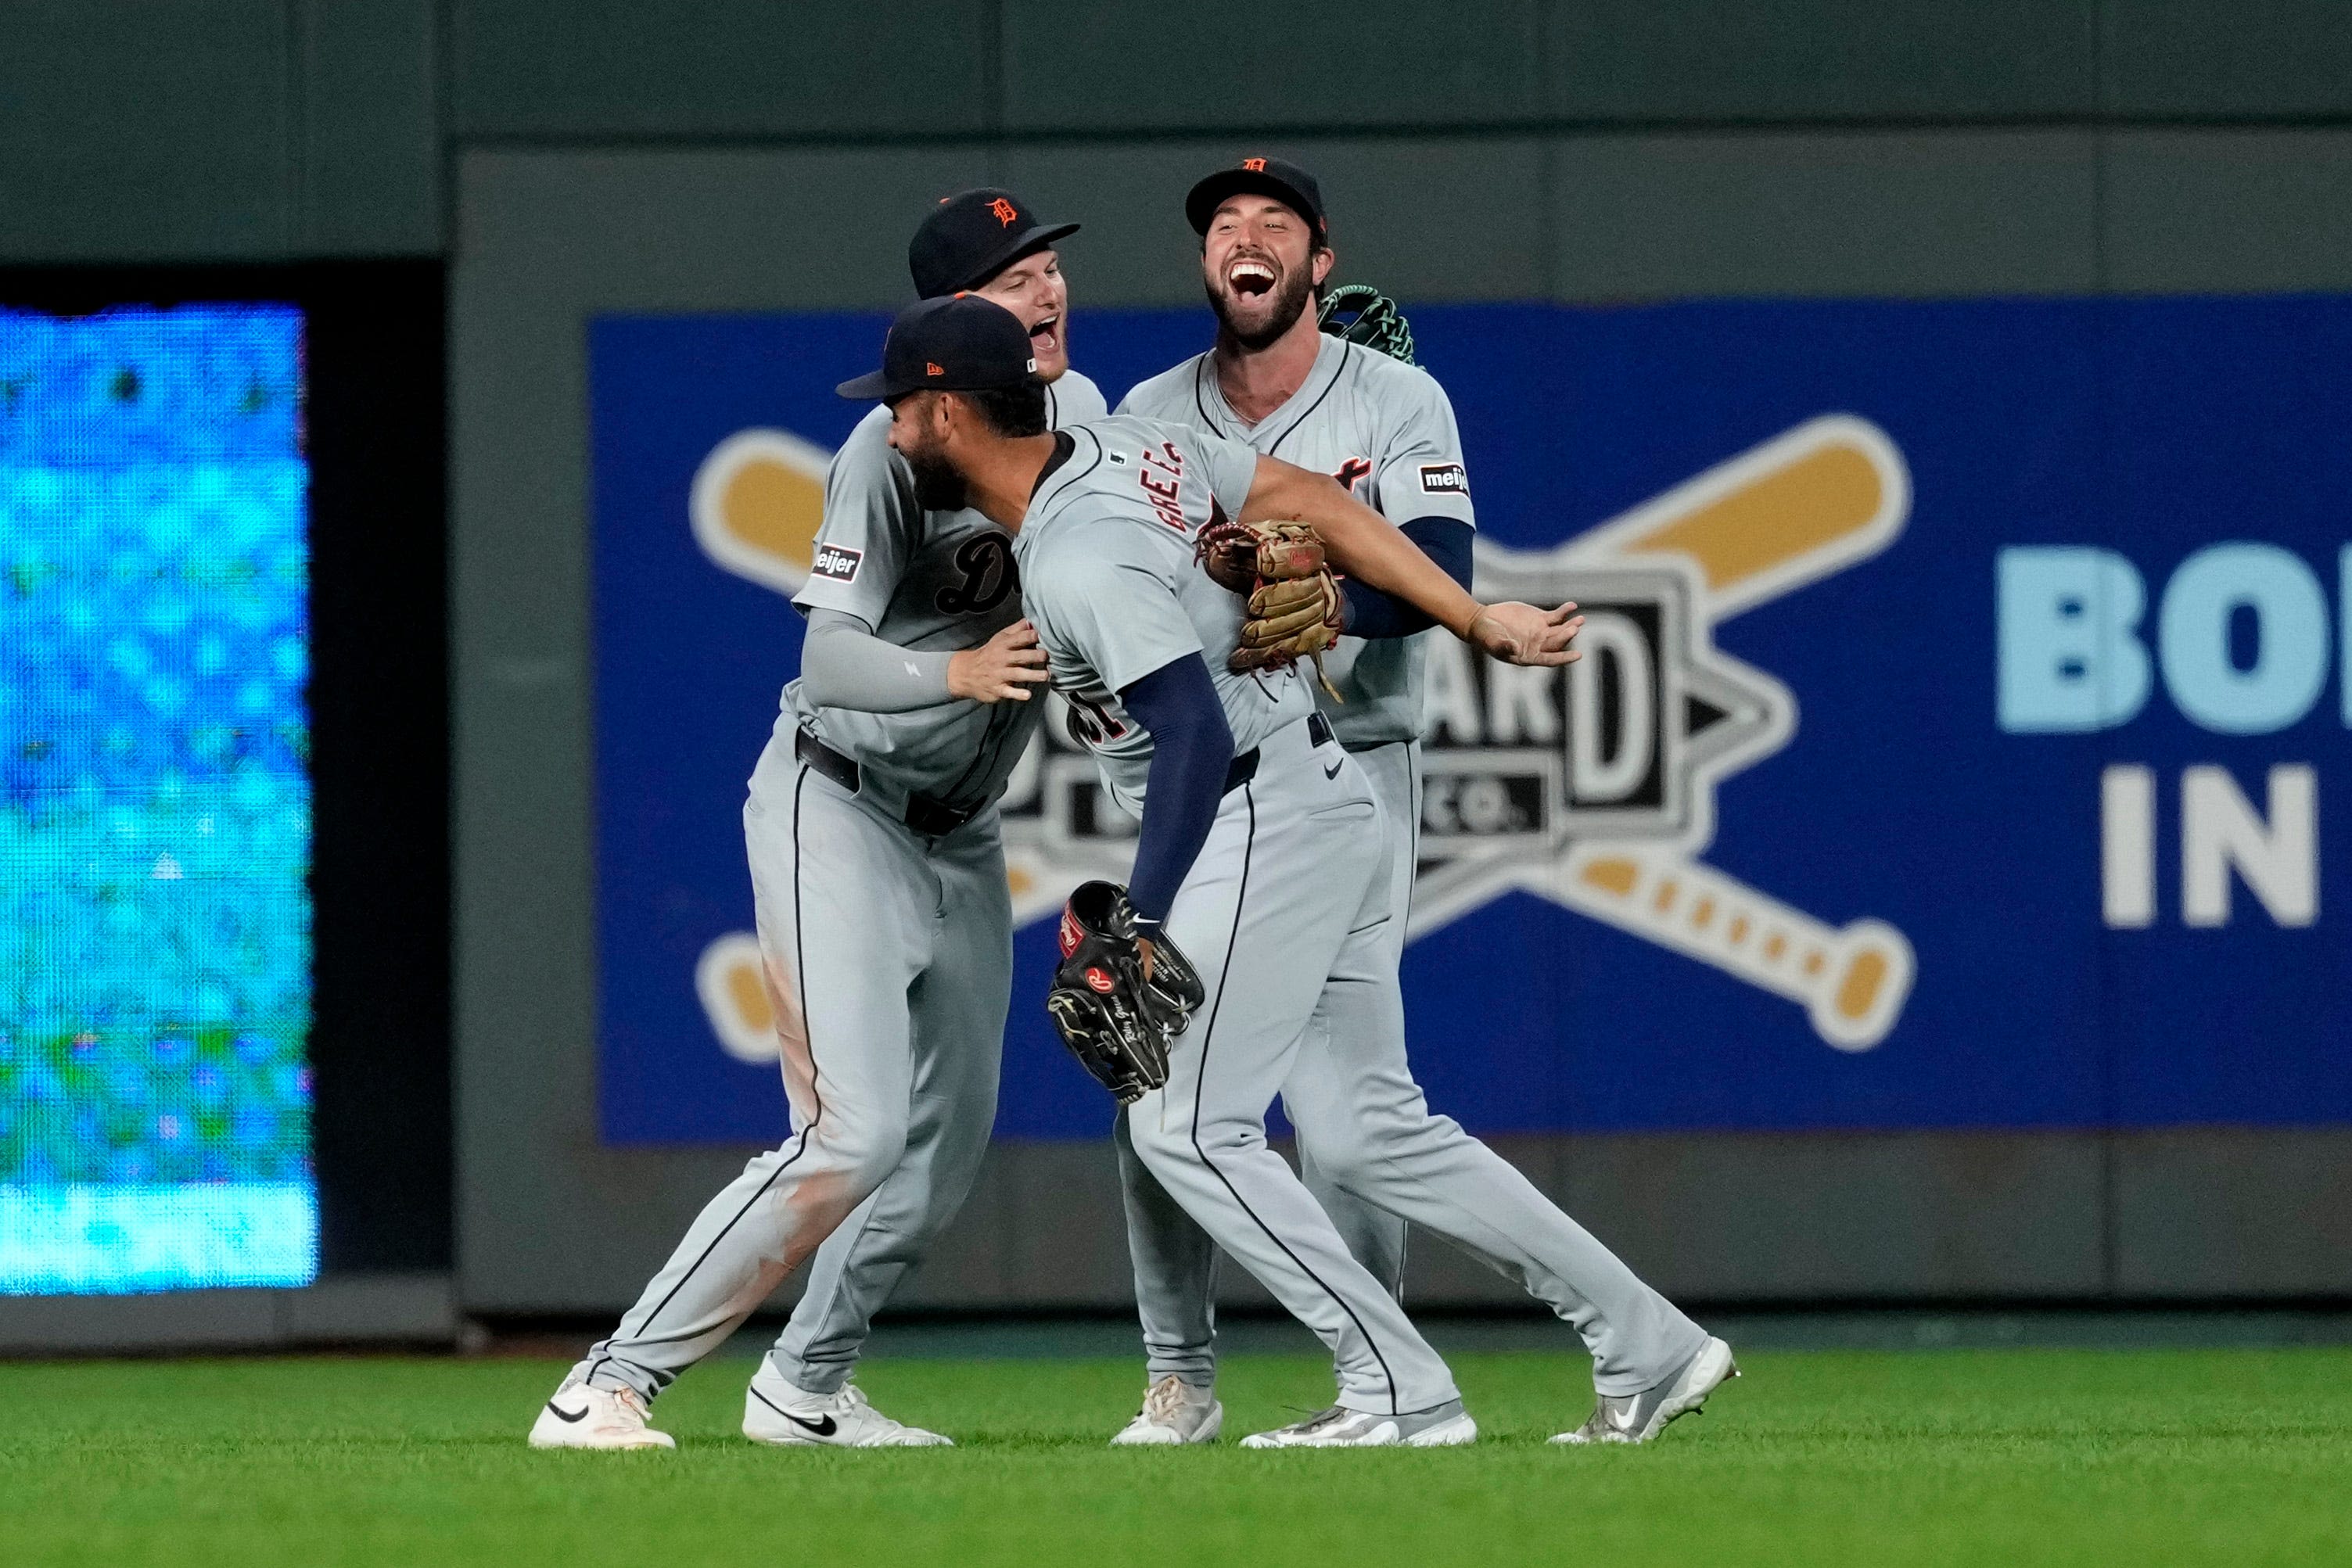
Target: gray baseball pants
<point>1365,1128</point>
<point>889,964</point>
<point>1291,887</point>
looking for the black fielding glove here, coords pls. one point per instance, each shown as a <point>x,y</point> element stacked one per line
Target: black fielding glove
<point>1116,1023</point>
<point>1360,313</point>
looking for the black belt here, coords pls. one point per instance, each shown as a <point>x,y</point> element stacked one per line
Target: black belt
<point>1243,768</point>
<point>936,819</point>
<point>932,819</point>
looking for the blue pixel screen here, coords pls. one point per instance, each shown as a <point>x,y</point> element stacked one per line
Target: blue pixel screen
<point>154,802</point>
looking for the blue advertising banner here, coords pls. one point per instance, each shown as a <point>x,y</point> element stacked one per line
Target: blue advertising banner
<point>1963,685</point>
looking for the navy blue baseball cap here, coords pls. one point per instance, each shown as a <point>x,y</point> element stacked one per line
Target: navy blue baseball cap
<point>962,343</point>
<point>972,236</point>
<point>1288,184</point>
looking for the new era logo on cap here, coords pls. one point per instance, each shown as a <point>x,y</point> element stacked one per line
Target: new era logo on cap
<point>1254,165</point>
<point>956,343</point>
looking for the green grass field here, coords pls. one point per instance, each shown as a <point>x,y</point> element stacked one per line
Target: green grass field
<point>1960,1456</point>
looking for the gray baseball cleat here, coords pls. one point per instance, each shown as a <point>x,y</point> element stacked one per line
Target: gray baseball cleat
<point>1638,1417</point>
<point>1446,1427</point>
<point>1174,1412</point>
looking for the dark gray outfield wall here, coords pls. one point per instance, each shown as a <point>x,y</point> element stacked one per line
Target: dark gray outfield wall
<point>570,157</point>
<point>553,1221</point>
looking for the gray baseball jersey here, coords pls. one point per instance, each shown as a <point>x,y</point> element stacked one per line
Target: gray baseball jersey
<point>923,581</point>
<point>887,955</point>
<point>1381,427</point>
<point>1110,582</point>
<point>1291,873</point>
<point>1373,1154</point>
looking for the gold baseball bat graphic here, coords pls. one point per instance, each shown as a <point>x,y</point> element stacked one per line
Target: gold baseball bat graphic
<point>755,506</point>
<point>1801,505</point>
<point>728,979</point>
<point>1851,979</point>
<point>1810,502</point>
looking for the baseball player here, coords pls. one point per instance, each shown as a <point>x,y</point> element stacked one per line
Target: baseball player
<point>1261,862</point>
<point>877,875</point>
<point>1383,428</point>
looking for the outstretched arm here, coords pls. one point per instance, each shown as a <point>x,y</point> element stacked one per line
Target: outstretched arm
<point>1372,613</point>
<point>1363,544</point>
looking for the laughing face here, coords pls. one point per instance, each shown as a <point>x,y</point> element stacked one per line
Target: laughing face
<point>1033,288</point>
<point>1260,264</point>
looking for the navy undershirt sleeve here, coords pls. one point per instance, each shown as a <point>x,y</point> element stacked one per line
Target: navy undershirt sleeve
<point>1192,749</point>
<point>1372,613</point>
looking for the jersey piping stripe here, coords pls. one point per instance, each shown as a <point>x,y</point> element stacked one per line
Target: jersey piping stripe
<point>992,741</point>
<point>1344,365</point>
<point>800,965</point>
<point>1208,1037</point>
<point>1063,479</point>
<point>1200,397</point>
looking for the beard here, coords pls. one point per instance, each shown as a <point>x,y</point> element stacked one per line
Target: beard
<point>940,486</point>
<point>1281,308</point>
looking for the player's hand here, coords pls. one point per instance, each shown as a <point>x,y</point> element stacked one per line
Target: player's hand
<point>1003,667</point>
<point>1523,634</point>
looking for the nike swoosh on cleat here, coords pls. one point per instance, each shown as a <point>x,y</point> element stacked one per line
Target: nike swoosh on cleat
<point>1333,771</point>
<point>823,1427</point>
<point>562,1415</point>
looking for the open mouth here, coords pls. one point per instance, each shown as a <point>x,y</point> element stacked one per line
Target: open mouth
<point>1046,335</point>
<point>1250,277</point>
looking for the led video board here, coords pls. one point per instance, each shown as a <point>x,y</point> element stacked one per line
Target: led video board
<point>155,924</point>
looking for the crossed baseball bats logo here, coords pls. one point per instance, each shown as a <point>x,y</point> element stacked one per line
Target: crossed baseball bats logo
<point>1813,501</point>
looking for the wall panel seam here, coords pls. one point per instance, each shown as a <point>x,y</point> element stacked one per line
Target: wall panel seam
<point>1494,130</point>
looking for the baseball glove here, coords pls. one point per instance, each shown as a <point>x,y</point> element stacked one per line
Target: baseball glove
<point>1118,1023</point>
<point>1358,313</point>
<point>1294,598</point>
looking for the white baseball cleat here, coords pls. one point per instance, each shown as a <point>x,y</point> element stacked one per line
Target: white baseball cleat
<point>584,1417</point>
<point>778,1412</point>
<point>1173,1411</point>
<point>1447,1427</point>
<point>1638,1417</point>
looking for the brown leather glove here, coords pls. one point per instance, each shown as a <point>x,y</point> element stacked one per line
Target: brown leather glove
<point>1294,597</point>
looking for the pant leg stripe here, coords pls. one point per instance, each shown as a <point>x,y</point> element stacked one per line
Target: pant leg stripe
<point>1208,1035</point>
<point>800,976</point>
<point>1412,789</point>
